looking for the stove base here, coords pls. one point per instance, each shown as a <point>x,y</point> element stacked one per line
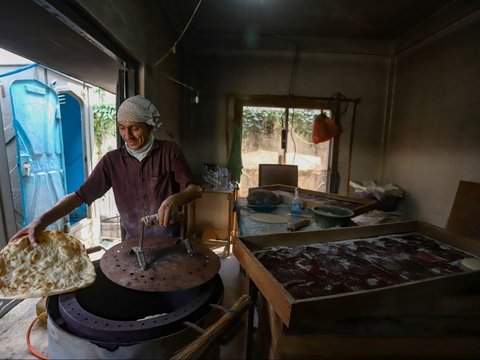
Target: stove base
<point>64,345</point>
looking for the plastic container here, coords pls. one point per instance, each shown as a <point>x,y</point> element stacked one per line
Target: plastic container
<point>297,202</point>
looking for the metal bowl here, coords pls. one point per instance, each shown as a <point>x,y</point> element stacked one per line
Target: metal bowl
<point>330,216</point>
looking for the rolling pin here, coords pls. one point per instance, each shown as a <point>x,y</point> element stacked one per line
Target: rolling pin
<point>298,225</point>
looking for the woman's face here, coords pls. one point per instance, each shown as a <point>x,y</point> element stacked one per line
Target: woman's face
<point>135,134</point>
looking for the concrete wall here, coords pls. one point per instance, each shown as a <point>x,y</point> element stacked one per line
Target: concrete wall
<point>220,75</point>
<point>141,27</point>
<point>435,128</point>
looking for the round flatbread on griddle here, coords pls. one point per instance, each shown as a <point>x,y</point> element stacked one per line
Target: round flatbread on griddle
<point>57,264</point>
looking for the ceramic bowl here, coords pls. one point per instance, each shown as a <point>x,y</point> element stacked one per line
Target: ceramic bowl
<point>329,216</point>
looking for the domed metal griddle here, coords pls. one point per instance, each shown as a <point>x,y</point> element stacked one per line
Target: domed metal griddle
<point>169,267</point>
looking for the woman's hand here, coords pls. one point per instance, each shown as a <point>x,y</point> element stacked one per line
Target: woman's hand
<point>66,205</point>
<point>32,230</point>
<point>169,211</point>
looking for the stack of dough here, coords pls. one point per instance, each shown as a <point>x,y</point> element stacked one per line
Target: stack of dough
<point>263,198</point>
<point>58,263</point>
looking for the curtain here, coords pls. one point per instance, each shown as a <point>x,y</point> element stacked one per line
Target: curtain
<point>234,164</point>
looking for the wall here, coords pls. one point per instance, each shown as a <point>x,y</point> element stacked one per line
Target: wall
<point>433,124</point>
<point>434,131</point>
<point>142,27</point>
<point>354,70</point>
<point>318,74</point>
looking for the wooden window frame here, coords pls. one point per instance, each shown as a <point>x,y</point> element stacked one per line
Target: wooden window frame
<point>303,102</point>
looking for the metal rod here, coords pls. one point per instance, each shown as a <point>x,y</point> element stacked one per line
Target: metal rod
<point>140,245</point>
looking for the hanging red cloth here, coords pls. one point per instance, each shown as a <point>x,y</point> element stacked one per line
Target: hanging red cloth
<point>324,128</point>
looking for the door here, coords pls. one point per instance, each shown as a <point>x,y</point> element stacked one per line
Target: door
<point>40,156</point>
<point>70,109</point>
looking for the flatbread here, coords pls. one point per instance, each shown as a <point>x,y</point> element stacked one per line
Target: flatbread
<point>470,263</point>
<point>58,263</point>
<point>270,218</point>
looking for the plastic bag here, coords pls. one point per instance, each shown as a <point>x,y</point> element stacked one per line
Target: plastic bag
<point>324,128</point>
<point>387,195</point>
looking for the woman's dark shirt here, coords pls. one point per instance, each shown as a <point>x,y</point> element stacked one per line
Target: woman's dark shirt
<point>139,187</point>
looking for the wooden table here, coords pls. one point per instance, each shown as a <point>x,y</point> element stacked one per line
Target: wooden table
<point>247,226</point>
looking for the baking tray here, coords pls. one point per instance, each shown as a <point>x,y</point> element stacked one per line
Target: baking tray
<point>441,296</point>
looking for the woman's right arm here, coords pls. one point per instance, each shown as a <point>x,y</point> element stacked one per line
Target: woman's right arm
<point>64,207</point>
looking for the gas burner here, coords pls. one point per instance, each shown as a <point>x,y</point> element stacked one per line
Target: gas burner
<point>106,313</point>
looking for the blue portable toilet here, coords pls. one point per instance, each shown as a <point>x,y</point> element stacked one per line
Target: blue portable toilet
<point>50,151</point>
<point>73,148</point>
<point>34,187</point>
<point>40,161</point>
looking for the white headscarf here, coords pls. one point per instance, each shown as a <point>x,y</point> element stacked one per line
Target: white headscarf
<point>137,108</point>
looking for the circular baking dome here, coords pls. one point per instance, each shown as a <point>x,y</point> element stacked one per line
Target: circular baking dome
<point>108,313</point>
<point>169,267</point>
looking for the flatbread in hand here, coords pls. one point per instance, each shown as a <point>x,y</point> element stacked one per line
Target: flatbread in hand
<point>58,263</point>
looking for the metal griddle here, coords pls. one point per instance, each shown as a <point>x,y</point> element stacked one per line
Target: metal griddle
<point>170,267</point>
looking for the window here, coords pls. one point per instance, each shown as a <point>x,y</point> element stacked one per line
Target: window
<point>276,130</point>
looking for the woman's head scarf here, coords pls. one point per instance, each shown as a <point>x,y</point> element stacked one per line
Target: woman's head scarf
<point>137,108</point>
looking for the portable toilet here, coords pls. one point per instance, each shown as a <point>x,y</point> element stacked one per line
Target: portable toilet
<point>46,138</point>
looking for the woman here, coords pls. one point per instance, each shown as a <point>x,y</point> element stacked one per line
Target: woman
<point>148,176</point>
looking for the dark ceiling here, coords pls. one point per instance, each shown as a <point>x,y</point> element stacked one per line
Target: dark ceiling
<point>31,31</point>
<point>353,19</point>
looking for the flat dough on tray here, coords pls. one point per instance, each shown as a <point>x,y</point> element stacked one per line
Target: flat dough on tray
<point>470,263</point>
<point>57,264</point>
<point>269,218</point>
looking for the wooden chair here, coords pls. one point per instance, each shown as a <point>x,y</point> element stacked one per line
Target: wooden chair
<point>465,214</point>
<point>271,174</point>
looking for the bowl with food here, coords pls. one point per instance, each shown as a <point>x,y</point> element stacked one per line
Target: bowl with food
<point>330,216</point>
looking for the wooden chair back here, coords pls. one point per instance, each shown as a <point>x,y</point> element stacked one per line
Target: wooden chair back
<point>271,174</point>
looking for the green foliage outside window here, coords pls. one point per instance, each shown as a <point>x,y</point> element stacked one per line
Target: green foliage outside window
<point>260,122</point>
<point>104,124</point>
<point>302,122</point>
